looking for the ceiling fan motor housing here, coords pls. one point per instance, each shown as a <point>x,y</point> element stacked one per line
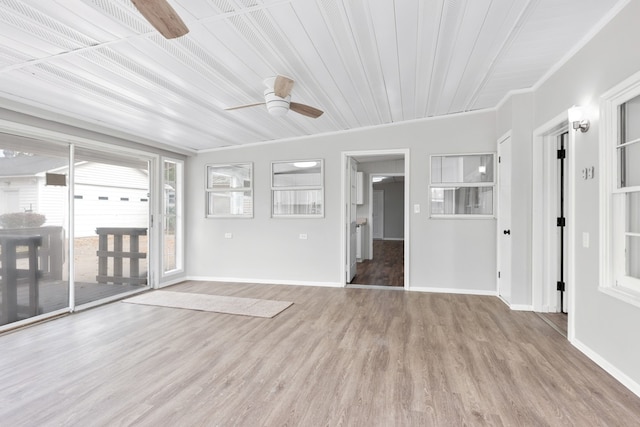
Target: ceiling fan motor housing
<point>276,105</point>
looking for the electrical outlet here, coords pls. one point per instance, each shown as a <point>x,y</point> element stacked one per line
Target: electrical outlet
<point>303,236</point>
<point>228,235</point>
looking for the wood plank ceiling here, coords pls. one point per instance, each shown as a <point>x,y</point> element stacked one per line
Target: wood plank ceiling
<point>364,62</point>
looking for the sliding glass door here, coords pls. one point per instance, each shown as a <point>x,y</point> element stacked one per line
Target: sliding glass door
<point>33,230</point>
<point>111,225</point>
<point>76,229</point>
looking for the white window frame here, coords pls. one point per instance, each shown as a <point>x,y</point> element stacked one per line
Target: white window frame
<point>613,278</point>
<point>178,215</point>
<point>449,185</point>
<point>209,190</point>
<point>320,188</point>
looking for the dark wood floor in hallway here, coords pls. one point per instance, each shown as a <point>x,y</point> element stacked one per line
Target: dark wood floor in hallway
<point>337,356</point>
<point>387,266</point>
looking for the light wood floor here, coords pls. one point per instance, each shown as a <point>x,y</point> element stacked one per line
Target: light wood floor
<point>351,357</point>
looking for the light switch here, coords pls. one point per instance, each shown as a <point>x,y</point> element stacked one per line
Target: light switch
<point>416,208</point>
<point>585,239</point>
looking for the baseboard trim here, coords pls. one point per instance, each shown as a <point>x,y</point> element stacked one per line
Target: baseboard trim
<point>516,307</point>
<point>616,373</point>
<point>452,291</point>
<point>265,281</point>
<point>520,307</point>
<point>171,282</point>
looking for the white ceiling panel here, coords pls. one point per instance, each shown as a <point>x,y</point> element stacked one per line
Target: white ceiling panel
<point>362,62</point>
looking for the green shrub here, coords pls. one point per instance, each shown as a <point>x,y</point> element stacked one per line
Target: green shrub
<point>22,220</point>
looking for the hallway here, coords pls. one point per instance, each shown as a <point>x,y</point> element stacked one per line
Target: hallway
<point>386,268</point>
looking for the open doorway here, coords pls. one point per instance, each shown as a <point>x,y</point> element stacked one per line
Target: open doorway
<point>551,254</point>
<point>376,219</point>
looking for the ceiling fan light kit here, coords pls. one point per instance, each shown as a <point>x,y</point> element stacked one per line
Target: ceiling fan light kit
<point>276,105</point>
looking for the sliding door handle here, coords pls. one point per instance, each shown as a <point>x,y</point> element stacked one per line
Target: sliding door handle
<point>507,232</point>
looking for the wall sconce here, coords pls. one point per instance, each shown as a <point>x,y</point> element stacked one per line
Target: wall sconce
<point>576,117</point>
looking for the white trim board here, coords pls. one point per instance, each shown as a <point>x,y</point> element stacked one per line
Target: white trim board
<point>543,196</point>
<point>436,290</point>
<point>344,155</point>
<point>264,281</point>
<point>616,373</point>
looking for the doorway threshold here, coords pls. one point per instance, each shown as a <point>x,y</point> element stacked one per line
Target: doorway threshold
<point>558,321</point>
<point>380,287</point>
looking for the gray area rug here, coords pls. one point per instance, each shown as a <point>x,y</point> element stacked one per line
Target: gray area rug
<point>215,303</point>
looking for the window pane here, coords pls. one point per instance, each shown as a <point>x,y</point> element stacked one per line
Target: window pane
<point>33,217</point>
<point>633,212</point>
<point>297,174</point>
<point>455,169</point>
<point>230,203</point>
<point>172,207</point>
<point>628,161</point>
<point>297,202</point>
<point>462,201</point>
<point>633,256</point>
<point>632,120</point>
<point>229,176</point>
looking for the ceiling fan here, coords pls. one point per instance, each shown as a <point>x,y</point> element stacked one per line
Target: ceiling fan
<point>277,98</point>
<point>162,16</point>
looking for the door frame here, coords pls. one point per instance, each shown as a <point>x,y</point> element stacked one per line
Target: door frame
<point>345,155</point>
<point>544,237</point>
<point>499,224</point>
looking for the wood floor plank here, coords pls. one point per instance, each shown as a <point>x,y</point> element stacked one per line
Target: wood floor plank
<point>335,357</point>
<point>386,268</point>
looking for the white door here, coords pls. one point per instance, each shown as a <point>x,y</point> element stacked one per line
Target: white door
<point>504,219</point>
<point>377,222</point>
<point>352,196</point>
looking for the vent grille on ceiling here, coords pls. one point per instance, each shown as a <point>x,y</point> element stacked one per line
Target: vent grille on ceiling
<point>74,80</point>
<point>204,63</point>
<point>224,5</point>
<point>37,23</point>
<point>249,3</point>
<point>127,15</point>
<point>135,68</point>
<point>10,57</point>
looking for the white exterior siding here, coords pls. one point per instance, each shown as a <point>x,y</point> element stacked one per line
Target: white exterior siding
<point>109,196</point>
<point>124,207</point>
<point>27,198</point>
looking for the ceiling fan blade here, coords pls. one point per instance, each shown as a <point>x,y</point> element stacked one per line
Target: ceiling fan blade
<point>305,110</point>
<point>282,86</point>
<point>244,106</point>
<point>162,16</point>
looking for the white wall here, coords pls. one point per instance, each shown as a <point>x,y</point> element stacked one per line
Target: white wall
<point>456,255</point>
<point>605,328</point>
<point>393,209</point>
